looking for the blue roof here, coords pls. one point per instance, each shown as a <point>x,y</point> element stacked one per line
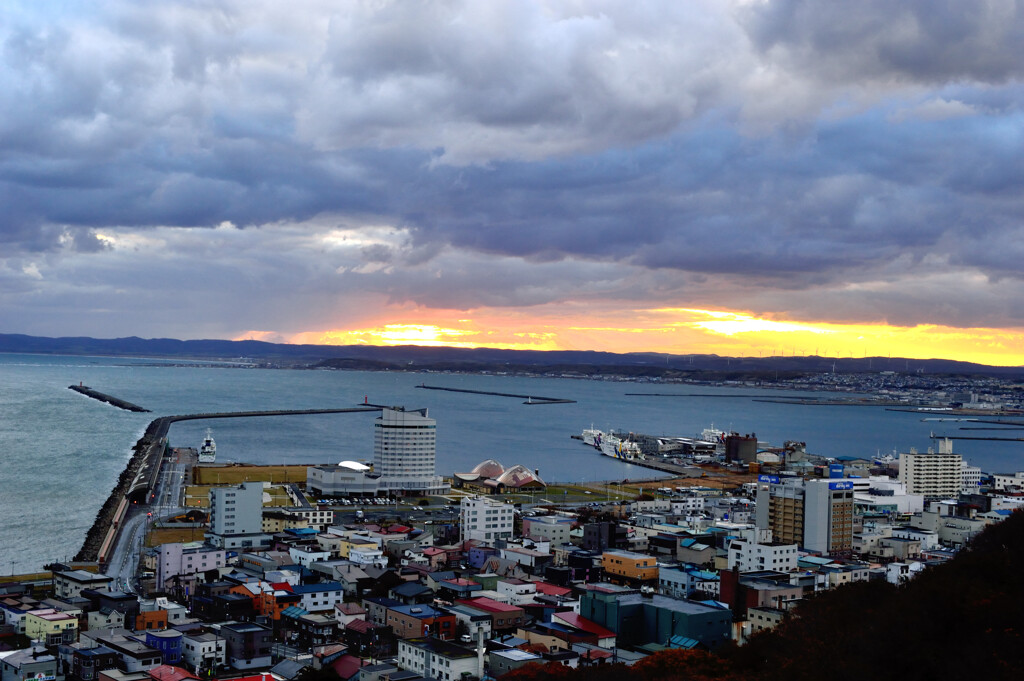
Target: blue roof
<point>383,600</point>
<point>302,531</point>
<point>294,611</point>
<point>423,611</point>
<point>682,642</point>
<point>316,588</point>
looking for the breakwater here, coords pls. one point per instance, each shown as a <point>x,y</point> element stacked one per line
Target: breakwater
<point>109,399</point>
<point>530,399</point>
<point>141,473</point>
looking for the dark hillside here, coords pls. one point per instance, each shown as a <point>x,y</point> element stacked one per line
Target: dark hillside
<point>961,620</point>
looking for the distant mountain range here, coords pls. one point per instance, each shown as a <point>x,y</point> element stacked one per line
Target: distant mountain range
<point>406,357</point>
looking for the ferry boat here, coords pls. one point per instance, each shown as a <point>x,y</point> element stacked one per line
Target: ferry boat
<point>712,435</point>
<point>208,450</point>
<point>617,448</point>
<point>592,437</point>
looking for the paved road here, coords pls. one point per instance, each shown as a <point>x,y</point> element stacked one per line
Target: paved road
<point>165,500</point>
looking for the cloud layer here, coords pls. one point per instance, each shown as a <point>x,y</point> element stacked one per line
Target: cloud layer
<point>243,165</point>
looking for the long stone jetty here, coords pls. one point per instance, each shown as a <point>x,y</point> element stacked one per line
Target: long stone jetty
<point>530,399</point>
<point>103,397</point>
<point>142,472</point>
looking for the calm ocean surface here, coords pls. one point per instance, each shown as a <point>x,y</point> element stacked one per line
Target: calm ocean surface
<point>62,452</point>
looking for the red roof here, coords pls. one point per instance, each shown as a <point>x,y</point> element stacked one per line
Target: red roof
<point>583,624</point>
<point>166,672</point>
<point>281,586</point>
<point>489,604</point>
<point>596,654</point>
<point>346,666</point>
<point>398,529</point>
<point>552,589</point>
<point>362,626</point>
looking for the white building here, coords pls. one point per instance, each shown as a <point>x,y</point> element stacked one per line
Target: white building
<point>1002,481</point>
<point>485,520</point>
<point>404,458</point>
<point>434,658</point>
<point>186,560</point>
<point>517,590</point>
<point>236,517</point>
<point>881,494</point>
<point>70,583</point>
<point>749,556</point>
<point>404,448</point>
<point>970,479</point>
<point>203,651</point>
<point>933,474</point>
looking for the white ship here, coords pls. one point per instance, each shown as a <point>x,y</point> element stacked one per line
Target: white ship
<point>617,448</point>
<point>592,436</point>
<point>712,435</point>
<point>208,451</point>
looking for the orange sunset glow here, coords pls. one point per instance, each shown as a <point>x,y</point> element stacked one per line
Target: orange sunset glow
<point>680,331</point>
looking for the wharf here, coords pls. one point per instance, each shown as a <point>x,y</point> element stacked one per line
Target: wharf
<point>109,399</point>
<point>530,399</point>
<point>138,479</point>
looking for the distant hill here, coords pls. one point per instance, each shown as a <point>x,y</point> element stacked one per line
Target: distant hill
<point>370,357</point>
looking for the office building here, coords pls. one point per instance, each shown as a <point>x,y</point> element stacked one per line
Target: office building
<point>236,517</point>
<point>817,515</point>
<point>485,520</point>
<point>933,474</point>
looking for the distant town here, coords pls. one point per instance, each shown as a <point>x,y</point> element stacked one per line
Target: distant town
<point>390,569</point>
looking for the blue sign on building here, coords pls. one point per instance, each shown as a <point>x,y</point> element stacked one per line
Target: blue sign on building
<point>835,470</point>
<point>840,485</point>
<point>768,478</point>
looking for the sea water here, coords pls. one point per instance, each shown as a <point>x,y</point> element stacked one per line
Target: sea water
<point>61,452</point>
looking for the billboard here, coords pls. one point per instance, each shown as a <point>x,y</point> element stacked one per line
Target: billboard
<point>845,484</point>
<point>768,478</point>
<point>835,470</point>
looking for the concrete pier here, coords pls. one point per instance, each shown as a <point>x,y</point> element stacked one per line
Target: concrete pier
<point>140,476</point>
<point>103,397</point>
<point>530,399</point>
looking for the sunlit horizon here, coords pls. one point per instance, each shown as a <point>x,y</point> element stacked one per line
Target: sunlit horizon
<point>674,331</point>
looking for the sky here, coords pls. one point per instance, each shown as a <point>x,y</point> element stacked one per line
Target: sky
<point>739,177</point>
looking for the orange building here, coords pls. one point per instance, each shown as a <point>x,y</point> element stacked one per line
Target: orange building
<point>151,620</point>
<point>629,566</point>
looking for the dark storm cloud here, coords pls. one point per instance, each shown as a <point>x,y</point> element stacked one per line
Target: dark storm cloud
<point>915,40</point>
<point>529,152</point>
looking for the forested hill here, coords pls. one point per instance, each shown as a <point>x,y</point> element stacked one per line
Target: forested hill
<point>960,620</point>
<point>412,357</point>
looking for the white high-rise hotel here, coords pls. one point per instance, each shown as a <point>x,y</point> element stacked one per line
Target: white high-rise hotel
<point>404,452</point>
<point>403,461</point>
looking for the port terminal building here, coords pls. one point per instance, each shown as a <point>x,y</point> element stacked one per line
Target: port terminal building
<point>404,461</point>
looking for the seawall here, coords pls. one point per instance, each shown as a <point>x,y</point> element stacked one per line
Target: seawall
<point>109,399</point>
<point>143,470</point>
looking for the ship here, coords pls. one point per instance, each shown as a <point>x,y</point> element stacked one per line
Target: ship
<point>592,437</point>
<point>208,450</point>
<point>712,435</point>
<point>617,448</point>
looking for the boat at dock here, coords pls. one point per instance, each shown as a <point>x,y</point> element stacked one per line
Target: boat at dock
<point>619,448</point>
<point>208,450</point>
<point>613,445</point>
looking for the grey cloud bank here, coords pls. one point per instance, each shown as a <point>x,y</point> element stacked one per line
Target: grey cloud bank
<point>821,161</point>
